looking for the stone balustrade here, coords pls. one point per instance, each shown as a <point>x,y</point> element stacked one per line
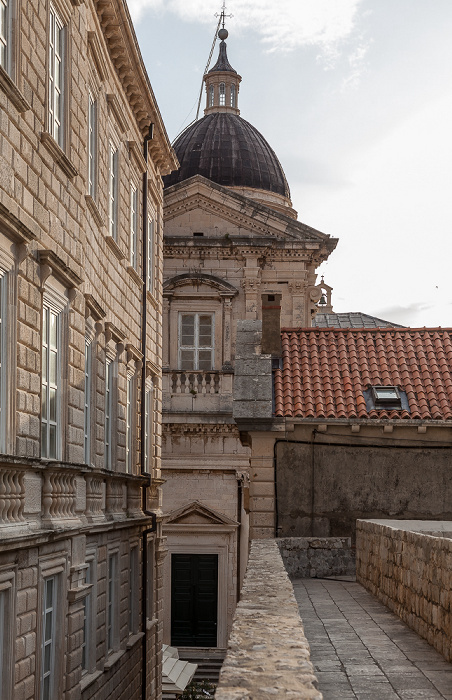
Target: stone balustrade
<point>268,655</point>
<point>12,496</point>
<point>407,565</point>
<point>36,495</point>
<point>195,382</point>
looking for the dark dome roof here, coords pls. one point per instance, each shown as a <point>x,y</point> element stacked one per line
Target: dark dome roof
<point>229,151</point>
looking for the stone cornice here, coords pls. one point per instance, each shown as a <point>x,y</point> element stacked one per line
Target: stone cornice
<point>126,58</point>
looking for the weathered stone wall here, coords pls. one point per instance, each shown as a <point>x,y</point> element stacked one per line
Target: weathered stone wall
<point>317,557</point>
<point>410,572</point>
<point>268,655</point>
<point>324,488</point>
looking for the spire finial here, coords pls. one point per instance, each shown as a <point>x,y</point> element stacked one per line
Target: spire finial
<point>223,33</point>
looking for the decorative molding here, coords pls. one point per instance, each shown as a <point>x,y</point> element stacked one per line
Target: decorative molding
<point>207,429</point>
<point>251,285</point>
<point>135,151</point>
<point>134,275</point>
<point>133,353</point>
<point>58,155</point>
<point>92,206</point>
<point>12,92</point>
<point>95,310</point>
<point>225,288</point>
<point>96,50</point>
<point>57,266</point>
<point>152,370</point>
<point>112,332</point>
<point>114,106</point>
<point>114,247</point>
<point>12,227</point>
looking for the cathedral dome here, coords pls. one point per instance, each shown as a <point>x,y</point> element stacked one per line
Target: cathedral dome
<point>228,150</point>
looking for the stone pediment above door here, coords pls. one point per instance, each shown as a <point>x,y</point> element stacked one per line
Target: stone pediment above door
<point>196,513</point>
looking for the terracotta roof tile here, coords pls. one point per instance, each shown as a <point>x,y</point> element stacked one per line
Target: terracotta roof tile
<point>325,372</point>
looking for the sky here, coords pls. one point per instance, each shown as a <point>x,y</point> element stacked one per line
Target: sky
<point>355,98</point>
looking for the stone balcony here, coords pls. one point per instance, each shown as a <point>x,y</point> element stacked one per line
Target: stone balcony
<point>197,391</point>
<point>37,496</point>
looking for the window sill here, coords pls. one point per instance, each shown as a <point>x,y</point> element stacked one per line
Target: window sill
<point>150,624</point>
<point>113,659</point>
<point>134,275</point>
<point>114,247</point>
<point>12,92</point>
<point>134,639</point>
<point>88,679</point>
<point>92,206</point>
<point>58,155</point>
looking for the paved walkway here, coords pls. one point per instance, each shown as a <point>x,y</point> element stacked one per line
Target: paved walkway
<point>360,649</point>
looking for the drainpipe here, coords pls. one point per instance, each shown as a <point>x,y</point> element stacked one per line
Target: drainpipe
<point>314,432</point>
<point>153,528</point>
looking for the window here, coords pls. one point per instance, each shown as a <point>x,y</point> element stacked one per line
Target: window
<point>149,427</point>
<point>150,573</point>
<point>112,602</point>
<point>50,398</point>
<point>222,95</point>
<point>150,260</point>
<point>48,638</point>
<point>92,145</point>
<point>7,630</point>
<point>133,591</point>
<point>5,35</point>
<point>56,77</point>
<point>88,619</point>
<point>211,96</point>
<point>129,423</point>
<point>196,344</point>
<point>386,397</point>
<point>113,192</point>
<point>233,99</point>
<point>3,359</point>
<point>108,410</point>
<point>133,225</point>
<point>87,408</point>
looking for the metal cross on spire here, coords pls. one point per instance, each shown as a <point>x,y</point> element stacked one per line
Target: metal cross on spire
<point>222,15</point>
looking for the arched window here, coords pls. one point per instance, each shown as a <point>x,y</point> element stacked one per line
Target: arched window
<point>222,94</point>
<point>232,95</point>
<point>211,95</point>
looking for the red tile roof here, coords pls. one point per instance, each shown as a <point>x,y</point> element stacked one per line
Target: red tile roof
<point>325,371</point>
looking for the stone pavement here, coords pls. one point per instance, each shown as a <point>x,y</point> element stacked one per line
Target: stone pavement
<point>360,649</point>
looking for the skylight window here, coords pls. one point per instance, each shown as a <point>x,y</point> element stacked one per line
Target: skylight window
<point>391,398</point>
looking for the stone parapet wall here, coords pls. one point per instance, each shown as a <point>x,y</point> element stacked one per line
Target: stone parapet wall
<point>268,655</point>
<point>317,557</point>
<point>408,569</point>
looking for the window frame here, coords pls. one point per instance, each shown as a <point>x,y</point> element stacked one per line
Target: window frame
<point>211,96</point>
<point>149,423</point>
<point>108,412</point>
<point>90,605</point>
<point>92,144</point>
<point>113,189</point>
<point>130,401</point>
<point>112,602</point>
<point>7,628</point>
<point>52,566</point>
<point>52,305</point>
<point>55,18</point>
<point>150,269</point>
<point>233,96</point>
<point>133,230</point>
<point>7,38</point>
<point>88,398</point>
<point>195,348</point>
<point>134,593</point>
<point>222,94</point>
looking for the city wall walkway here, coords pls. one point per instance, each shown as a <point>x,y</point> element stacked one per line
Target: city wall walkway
<point>359,649</point>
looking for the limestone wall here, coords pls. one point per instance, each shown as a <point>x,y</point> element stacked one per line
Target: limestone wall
<point>268,655</point>
<point>317,557</point>
<point>409,572</point>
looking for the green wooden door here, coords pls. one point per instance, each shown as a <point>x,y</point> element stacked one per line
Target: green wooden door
<point>194,600</point>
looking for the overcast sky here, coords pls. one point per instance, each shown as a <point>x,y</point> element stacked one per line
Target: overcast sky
<point>355,98</point>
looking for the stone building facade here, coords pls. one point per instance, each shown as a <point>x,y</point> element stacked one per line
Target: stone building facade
<point>83,149</point>
<point>232,245</point>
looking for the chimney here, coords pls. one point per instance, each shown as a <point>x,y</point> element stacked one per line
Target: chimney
<point>271,324</point>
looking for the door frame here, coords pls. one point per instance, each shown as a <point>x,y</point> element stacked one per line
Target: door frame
<point>224,573</point>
